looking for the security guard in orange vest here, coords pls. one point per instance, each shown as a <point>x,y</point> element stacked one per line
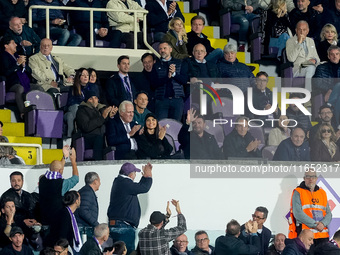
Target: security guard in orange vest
<point>310,209</point>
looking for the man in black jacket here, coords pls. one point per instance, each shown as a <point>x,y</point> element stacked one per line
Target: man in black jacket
<point>91,117</point>
<point>87,214</point>
<point>93,245</point>
<point>331,247</point>
<point>230,243</point>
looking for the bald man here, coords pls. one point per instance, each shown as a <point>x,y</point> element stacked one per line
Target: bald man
<point>301,244</point>
<point>279,244</point>
<point>52,186</point>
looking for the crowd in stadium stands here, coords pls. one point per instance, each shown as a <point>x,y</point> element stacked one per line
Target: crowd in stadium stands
<point>55,219</point>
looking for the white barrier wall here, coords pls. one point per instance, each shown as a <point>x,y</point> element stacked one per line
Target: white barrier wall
<point>207,203</point>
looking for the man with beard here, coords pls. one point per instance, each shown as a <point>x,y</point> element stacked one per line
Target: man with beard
<point>310,209</point>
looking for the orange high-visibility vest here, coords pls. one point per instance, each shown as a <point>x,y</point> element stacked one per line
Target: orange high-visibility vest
<point>314,205</point>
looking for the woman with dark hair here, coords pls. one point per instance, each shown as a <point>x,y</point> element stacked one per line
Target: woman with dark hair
<point>65,226</point>
<point>152,143</point>
<point>75,97</point>
<point>120,248</point>
<point>324,147</point>
<point>94,85</point>
<point>280,133</point>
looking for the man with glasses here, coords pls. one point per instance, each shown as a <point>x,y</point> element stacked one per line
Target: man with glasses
<point>326,116</point>
<point>202,244</point>
<point>310,209</point>
<point>180,246</point>
<point>260,216</point>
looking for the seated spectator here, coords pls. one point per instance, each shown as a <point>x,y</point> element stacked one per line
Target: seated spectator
<point>331,14</point>
<point>94,245</point>
<point>326,80</point>
<point>240,143</point>
<point>74,99</point>
<point>197,144</point>
<point>1,131</point>
<point>280,132</point>
<point>16,71</point>
<point>10,9</point>
<point>177,38</point>
<point>323,147</point>
<point>90,118</point>
<point>47,251</point>
<point>122,23</point>
<point>202,244</point>
<point>301,244</point>
<point>7,221</point>
<point>140,110</point>
<point>168,83</point>
<point>305,11</point>
<point>58,31</point>
<point>120,86</point>
<point>50,71</point>
<point>152,143</point>
<point>61,247</point>
<point>121,132</point>
<point>294,148</point>
<point>329,248</point>
<point>231,244</point>
<point>119,248</point>
<point>301,51</point>
<point>195,36</point>
<point>81,21</point>
<point>8,155</point>
<point>276,27</point>
<point>180,246</point>
<point>329,37</point>
<point>17,238</point>
<point>26,39</point>
<point>278,245</point>
<point>325,116</point>
<point>237,73</point>
<point>293,112</point>
<point>263,100</point>
<point>65,225</point>
<point>159,16</point>
<point>242,15</point>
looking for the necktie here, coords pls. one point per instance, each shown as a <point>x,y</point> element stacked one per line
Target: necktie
<point>128,88</point>
<point>132,140</point>
<point>53,67</point>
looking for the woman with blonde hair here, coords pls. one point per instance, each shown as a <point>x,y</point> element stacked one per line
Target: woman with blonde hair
<point>329,36</point>
<point>177,38</point>
<point>323,147</point>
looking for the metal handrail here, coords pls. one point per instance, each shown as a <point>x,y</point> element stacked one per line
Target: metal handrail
<point>91,10</point>
<point>34,145</point>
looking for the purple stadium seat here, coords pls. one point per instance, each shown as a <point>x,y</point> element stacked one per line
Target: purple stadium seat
<point>226,108</point>
<point>196,5</point>
<point>42,119</point>
<point>268,152</point>
<point>5,98</point>
<point>173,128</point>
<point>84,155</point>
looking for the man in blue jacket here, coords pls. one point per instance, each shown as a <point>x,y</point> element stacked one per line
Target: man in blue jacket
<point>124,210</point>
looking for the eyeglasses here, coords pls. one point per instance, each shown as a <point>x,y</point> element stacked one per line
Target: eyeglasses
<point>181,242</point>
<point>59,252</point>
<point>326,130</point>
<point>324,113</point>
<point>310,176</point>
<point>257,217</point>
<point>202,240</point>
<point>262,80</point>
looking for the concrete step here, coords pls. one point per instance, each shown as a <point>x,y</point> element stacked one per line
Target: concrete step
<point>51,154</point>
<point>218,43</point>
<point>257,67</point>
<point>184,6</point>
<point>14,129</point>
<point>188,17</point>
<point>5,116</point>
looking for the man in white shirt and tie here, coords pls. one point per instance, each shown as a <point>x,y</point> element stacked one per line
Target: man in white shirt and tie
<point>50,71</point>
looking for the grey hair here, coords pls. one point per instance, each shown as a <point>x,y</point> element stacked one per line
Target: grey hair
<point>333,47</point>
<point>101,229</point>
<point>122,106</point>
<point>230,47</point>
<point>302,22</point>
<point>90,177</point>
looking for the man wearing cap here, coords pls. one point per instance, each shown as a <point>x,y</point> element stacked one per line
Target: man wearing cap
<point>124,210</point>
<point>154,239</point>
<point>90,118</point>
<point>16,247</point>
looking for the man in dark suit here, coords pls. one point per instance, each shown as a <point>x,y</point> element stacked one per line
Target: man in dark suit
<point>93,245</point>
<point>120,87</point>
<point>120,132</point>
<point>158,17</point>
<point>260,216</point>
